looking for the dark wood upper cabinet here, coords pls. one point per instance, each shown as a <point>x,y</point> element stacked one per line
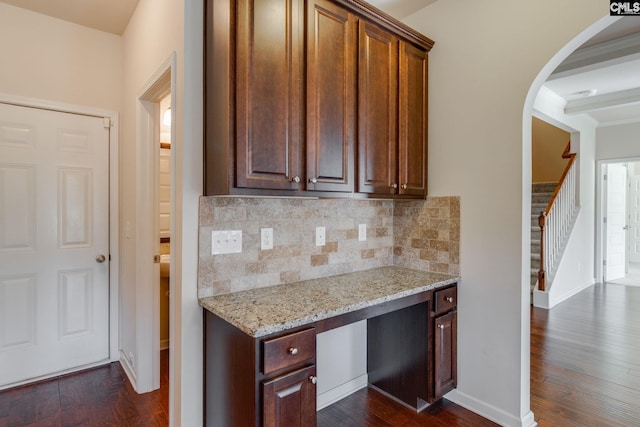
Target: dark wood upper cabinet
<point>313,98</point>
<point>412,122</point>
<point>331,96</point>
<point>269,93</point>
<point>377,110</point>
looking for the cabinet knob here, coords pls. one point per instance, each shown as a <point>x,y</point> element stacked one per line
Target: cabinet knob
<point>313,379</point>
<point>404,186</point>
<point>394,185</point>
<point>313,180</point>
<point>295,179</point>
<point>440,326</point>
<point>449,299</point>
<point>292,351</point>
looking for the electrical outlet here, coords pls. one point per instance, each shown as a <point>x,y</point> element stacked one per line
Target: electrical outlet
<point>362,232</point>
<point>266,238</point>
<point>320,236</point>
<point>226,242</point>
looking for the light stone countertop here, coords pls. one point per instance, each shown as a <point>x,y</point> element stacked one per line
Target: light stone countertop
<point>264,311</point>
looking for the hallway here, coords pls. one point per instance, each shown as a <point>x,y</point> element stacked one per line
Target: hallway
<point>585,359</point>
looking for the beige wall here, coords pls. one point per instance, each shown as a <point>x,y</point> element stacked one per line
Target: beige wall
<point>54,60</point>
<point>486,58</point>
<point>547,145</point>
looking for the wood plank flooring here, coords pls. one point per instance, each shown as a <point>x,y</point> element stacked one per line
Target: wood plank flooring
<point>97,397</point>
<point>585,359</point>
<point>585,371</point>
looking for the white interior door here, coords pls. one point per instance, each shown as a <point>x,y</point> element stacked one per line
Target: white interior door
<point>54,228</point>
<point>616,188</point>
<point>633,235</point>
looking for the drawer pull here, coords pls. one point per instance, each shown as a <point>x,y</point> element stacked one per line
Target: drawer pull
<point>449,299</point>
<point>440,326</point>
<point>292,351</point>
<point>313,379</point>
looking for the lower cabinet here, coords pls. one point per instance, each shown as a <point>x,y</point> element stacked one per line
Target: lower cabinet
<point>445,354</point>
<point>271,381</point>
<point>290,400</point>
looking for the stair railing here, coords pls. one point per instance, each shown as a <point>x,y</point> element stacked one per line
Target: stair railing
<point>556,220</point>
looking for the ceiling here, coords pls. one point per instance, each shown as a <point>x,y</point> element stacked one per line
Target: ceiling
<point>111,16</point>
<point>601,79</point>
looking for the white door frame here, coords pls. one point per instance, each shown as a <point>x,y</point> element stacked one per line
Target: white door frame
<point>114,243</point>
<point>601,209</point>
<point>161,84</point>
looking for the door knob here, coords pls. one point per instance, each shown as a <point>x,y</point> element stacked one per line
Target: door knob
<point>100,259</point>
<point>626,227</point>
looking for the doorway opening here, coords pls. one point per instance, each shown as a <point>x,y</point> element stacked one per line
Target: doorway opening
<point>155,227</point>
<point>620,221</point>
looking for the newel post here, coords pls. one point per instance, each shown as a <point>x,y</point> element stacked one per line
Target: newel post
<point>542,221</point>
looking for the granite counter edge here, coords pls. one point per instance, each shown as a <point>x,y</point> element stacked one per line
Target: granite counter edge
<point>321,315</point>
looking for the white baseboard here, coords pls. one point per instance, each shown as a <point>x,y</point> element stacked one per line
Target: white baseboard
<point>548,300</point>
<point>490,412</point>
<point>329,397</point>
<point>128,369</point>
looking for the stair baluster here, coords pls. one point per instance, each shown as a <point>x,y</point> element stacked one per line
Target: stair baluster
<point>557,219</point>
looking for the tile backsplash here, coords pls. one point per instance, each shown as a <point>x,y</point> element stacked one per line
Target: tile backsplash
<point>421,234</point>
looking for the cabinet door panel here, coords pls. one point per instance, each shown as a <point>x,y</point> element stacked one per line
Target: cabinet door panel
<point>377,110</point>
<point>413,120</point>
<point>290,400</point>
<point>331,103</point>
<point>269,71</point>
<point>445,354</point>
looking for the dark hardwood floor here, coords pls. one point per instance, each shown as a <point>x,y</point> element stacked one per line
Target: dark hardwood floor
<point>368,408</point>
<point>585,359</point>
<point>97,397</point>
<point>585,371</point>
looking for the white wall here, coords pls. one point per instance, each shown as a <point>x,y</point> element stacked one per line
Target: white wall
<point>54,60</point>
<point>576,270</point>
<point>618,142</point>
<point>156,30</point>
<point>486,57</point>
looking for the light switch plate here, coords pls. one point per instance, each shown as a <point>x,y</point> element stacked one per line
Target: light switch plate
<point>320,236</point>
<point>362,232</point>
<point>226,242</point>
<point>266,238</point>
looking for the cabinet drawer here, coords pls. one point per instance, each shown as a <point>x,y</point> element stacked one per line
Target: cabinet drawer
<point>287,350</point>
<point>445,299</point>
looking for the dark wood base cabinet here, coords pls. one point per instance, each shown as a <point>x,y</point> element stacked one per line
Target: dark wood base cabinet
<point>271,381</point>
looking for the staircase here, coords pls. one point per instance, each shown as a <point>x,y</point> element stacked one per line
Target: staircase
<point>540,195</point>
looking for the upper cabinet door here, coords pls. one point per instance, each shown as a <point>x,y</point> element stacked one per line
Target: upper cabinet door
<point>412,120</point>
<point>377,110</point>
<point>269,93</point>
<point>331,96</point>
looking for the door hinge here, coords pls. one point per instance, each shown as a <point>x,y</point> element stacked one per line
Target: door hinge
<point>604,262</point>
<point>604,220</point>
<point>604,177</point>
<point>156,259</point>
<point>106,122</point>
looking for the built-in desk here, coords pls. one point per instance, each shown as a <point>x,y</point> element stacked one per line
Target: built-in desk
<point>260,349</point>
